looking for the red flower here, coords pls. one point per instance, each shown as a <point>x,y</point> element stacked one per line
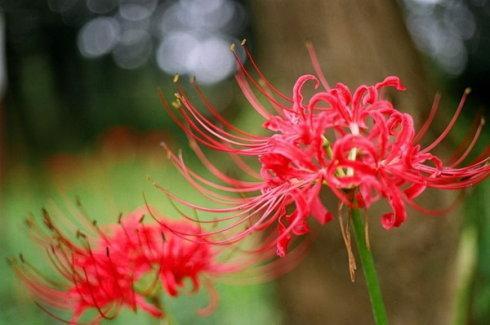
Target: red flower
<point>105,272</point>
<point>349,142</point>
<point>376,152</point>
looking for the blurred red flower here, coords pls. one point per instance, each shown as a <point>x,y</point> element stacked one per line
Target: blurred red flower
<point>122,265</point>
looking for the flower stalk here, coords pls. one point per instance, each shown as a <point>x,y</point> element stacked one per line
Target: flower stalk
<point>368,268</point>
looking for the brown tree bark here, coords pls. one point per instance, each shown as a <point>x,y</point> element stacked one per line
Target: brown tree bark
<point>360,42</point>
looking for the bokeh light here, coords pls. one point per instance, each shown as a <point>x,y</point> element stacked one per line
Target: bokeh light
<point>101,6</point>
<point>133,50</point>
<point>183,36</point>
<point>173,52</point>
<point>195,38</point>
<point>134,10</point>
<point>211,61</point>
<point>98,36</point>
<point>440,28</point>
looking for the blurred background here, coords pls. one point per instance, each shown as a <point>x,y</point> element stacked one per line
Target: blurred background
<point>80,117</point>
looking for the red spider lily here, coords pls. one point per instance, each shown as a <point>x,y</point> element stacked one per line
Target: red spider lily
<point>383,158</point>
<point>350,142</point>
<point>108,271</point>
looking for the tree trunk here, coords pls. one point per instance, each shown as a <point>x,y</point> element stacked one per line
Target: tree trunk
<point>360,42</point>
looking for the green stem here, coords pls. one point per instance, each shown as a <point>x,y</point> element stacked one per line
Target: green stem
<point>368,268</point>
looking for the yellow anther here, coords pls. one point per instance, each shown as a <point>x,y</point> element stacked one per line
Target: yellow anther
<point>176,103</point>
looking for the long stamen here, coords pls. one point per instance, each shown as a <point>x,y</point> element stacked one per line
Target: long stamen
<point>316,65</point>
<point>471,144</point>
<point>430,118</point>
<point>451,123</point>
